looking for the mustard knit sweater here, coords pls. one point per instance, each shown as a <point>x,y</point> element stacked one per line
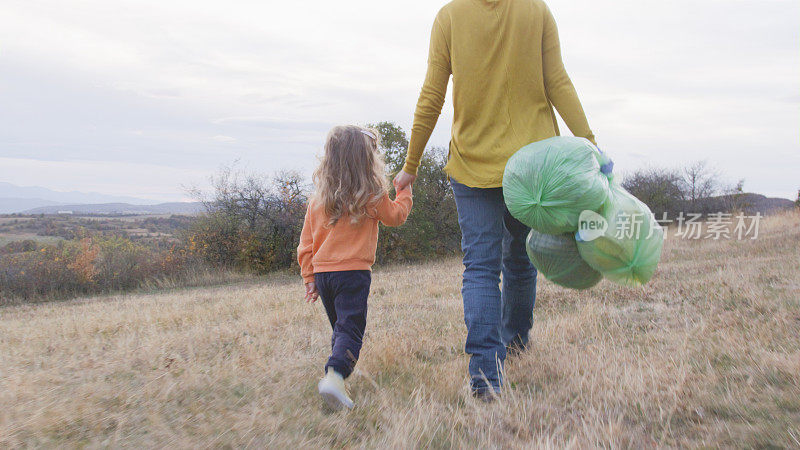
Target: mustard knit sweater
<point>505,59</point>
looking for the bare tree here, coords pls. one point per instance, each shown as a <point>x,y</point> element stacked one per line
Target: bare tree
<point>252,221</point>
<point>292,190</point>
<point>700,181</point>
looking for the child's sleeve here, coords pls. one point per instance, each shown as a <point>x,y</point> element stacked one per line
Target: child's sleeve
<point>394,213</point>
<point>305,251</point>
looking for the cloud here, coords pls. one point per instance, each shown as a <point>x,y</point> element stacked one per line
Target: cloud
<point>192,85</point>
<point>111,178</point>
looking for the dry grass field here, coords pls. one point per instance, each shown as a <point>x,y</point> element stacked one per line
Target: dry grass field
<point>6,238</point>
<point>707,354</point>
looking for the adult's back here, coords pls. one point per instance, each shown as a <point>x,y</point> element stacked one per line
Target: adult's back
<point>505,59</point>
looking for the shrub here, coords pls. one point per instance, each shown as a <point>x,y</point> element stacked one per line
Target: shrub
<point>660,189</point>
<point>251,224</point>
<point>88,265</point>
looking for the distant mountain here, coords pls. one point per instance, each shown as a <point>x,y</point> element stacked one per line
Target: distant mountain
<point>12,205</point>
<point>748,202</point>
<point>767,205</point>
<point>121,208</point>
<point>37,193</point>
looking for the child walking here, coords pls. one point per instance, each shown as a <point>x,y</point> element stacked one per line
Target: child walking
<point>339,240</point>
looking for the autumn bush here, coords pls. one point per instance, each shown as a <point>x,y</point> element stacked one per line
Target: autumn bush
<point>89,265</point>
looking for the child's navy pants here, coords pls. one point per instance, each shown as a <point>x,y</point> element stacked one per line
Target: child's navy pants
<point>344,295</point>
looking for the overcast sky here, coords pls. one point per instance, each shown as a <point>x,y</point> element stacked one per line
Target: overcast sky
<point>142,97</point>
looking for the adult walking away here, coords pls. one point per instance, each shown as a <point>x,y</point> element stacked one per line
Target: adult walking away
<point>505,59</point>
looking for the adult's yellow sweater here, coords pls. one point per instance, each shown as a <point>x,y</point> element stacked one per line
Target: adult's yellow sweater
<point>505,59</point>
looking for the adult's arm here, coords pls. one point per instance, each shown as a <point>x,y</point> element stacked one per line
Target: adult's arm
<point>557,83</point>
<point>431,99</point>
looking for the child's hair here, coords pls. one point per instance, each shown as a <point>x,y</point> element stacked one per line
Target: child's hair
<point>350,178</point>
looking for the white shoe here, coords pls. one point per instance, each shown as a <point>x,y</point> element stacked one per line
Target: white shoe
<point>331,388</point>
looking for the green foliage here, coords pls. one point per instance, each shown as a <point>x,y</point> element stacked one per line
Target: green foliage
<point>394,144</point>
<point>252,224</point>
<point>797,201</point>
<point>431,230</point>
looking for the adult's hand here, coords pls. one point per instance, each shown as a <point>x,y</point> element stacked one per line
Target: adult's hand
<point>403,180</point>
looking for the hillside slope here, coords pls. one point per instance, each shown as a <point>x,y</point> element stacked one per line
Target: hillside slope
<point>749,203</point>
<point>122,208</point>
<point>707,354</point>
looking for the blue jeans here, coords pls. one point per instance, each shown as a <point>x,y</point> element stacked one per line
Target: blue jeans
<point>493,242</point>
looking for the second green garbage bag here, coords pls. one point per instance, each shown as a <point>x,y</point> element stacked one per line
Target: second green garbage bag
<point>549,183</point>
<point>623,241</point>
<point>556,257</point>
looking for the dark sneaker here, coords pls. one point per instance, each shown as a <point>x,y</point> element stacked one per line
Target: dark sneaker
<point>515,349</point>
<point>486,395</point>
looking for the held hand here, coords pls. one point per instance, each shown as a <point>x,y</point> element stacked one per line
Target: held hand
<point>398,189</point>
<point>403,180</point>
<point>311,292</point>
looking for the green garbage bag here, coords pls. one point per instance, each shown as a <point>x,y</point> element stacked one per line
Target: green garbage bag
<point>548,183</point>
<point>556,257</point>
<point>623,241</point>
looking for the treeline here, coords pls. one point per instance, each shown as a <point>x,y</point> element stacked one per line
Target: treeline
<point>252,225</point>
<point>70,227</point>
<point>694,189</point>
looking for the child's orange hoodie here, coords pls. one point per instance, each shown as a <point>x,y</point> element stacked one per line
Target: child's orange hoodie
<point>346,246</point>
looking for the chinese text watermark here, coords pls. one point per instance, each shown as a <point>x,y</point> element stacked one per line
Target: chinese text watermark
<point>716,226</point>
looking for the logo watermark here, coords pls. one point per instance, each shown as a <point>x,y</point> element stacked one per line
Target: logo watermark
<point>591,226</point>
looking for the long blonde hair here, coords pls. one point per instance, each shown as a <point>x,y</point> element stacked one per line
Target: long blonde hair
<point>350,178</point>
